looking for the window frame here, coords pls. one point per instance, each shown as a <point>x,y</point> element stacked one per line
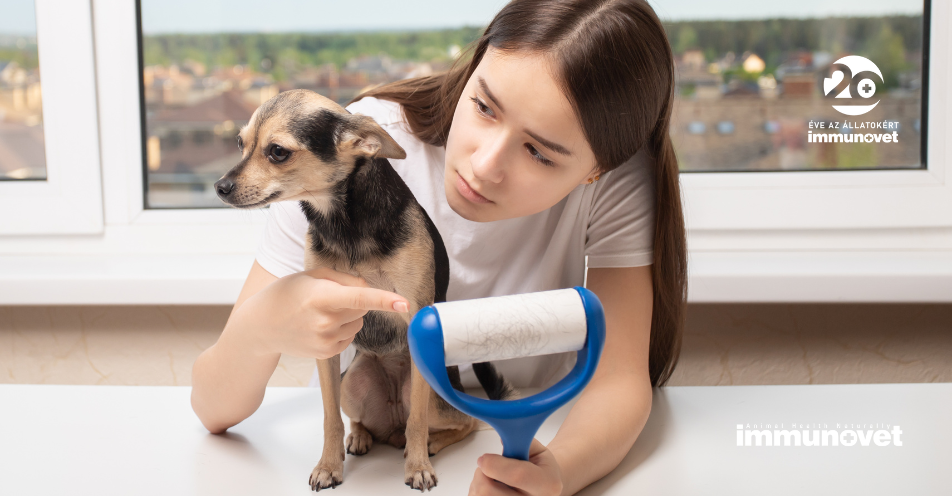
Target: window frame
<point>867,235</point>
<point>69,200</point>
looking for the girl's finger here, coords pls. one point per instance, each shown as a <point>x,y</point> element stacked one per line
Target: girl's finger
<point>347,331</point>
<point>536,448</point>
<point>346,315</point>
<point>515,473</point>
<point>484,486</point>
<point>365,299</point>
<point>341,278</point>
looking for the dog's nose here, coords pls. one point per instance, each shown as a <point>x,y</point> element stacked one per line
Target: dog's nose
<point>224,187</point>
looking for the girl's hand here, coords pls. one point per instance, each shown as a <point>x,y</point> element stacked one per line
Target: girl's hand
<point>314,313</point>
<point>539,476</point>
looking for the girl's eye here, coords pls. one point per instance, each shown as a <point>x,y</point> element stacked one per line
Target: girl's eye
<point>484,109</point>
<point>241,145</point>
<point>537,156</point>
<point>481,107</point>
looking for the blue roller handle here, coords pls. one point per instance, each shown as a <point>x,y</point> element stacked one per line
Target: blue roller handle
<point>516,421</point>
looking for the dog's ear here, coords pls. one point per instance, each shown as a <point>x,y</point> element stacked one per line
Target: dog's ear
<point>366,137</point>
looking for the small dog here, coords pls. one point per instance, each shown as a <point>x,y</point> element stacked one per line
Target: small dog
<point>363,220</point>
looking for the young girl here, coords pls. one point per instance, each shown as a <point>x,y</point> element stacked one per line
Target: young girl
<point>547,149</point>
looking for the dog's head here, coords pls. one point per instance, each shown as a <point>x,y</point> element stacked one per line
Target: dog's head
<point>298,146</point>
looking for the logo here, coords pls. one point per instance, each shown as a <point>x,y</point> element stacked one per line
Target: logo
<point>815,434</point>
<point>853,78</point>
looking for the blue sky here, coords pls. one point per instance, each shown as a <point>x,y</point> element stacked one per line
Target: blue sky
<point>17,17</point>
<point>165,16</point>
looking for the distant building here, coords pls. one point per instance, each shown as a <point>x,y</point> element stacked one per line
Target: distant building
<point>692,60</point>
<point>201,137</point>
<point>694,78</point>
<point>753,64</point>
<point>742,89</point>
<point>798,76</point>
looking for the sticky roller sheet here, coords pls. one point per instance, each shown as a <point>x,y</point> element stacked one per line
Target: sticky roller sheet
<point>503,327</point>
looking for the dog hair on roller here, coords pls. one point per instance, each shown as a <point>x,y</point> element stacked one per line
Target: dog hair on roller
<point>503,327</point>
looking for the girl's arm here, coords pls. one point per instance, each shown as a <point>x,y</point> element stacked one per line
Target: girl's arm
<point>314,313</point>
<point>229,378</point>
<point>609,415</point>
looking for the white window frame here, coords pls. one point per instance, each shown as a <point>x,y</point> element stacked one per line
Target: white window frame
<point>860,236</point>
<point>69,201</point>
<point>863,236</point>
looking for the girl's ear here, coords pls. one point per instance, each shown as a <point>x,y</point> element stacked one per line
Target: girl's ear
<point>365,137</point>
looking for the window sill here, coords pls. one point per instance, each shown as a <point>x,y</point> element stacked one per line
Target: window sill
<point>715,277</point>
<point>814,276</point>
<point>194,279</point>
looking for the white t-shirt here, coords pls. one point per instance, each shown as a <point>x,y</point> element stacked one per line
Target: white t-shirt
<point>609,223</point>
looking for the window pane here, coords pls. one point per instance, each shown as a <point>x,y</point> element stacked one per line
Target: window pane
<point>22,155</point>
<point>751,90</point>
<point>206,72</point>
<point>758,81</point>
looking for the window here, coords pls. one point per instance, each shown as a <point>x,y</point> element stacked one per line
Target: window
<point>203,80</point>
<point>118,213</point>
<point>766,87</point>
<point>775,83</point>
<point>49,144</point>
<point>22,155</point>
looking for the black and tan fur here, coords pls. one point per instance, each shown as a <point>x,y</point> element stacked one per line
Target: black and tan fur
<point>363,220</point>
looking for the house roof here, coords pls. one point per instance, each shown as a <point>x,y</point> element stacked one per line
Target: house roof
<point>227,106</point>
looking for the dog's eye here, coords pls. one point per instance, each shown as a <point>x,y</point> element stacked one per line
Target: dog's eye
<point>241,145</point>
<point>278,154</point>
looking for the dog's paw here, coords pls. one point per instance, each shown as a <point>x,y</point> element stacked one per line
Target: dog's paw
<point>359,443</point>
<point>324,476</point>
<point>420,476</point>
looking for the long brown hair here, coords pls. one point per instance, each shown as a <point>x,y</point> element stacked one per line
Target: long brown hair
<point>617,70</point>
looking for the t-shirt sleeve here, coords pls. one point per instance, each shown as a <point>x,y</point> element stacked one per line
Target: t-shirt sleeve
<point>281,249</point>
<point>385,112</point>
<point>621,224</point>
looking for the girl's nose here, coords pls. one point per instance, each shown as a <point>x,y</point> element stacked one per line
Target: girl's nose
<point>487,161</point>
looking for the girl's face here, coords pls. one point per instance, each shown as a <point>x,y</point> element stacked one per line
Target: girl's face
<point>515,147</point>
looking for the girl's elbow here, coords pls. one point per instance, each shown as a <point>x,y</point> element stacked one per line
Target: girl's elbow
<point>214,426</point>
<point>208,419</point>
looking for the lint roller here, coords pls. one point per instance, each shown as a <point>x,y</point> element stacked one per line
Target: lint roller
<point>503,327</point>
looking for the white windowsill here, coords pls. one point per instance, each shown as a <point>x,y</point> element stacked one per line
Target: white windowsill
<point>829,277</point>
<point>122,279</point>
<point>886,276</point>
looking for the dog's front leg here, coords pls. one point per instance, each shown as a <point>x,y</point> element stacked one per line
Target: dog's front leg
<point>329,472</point>
<point>418,471</point>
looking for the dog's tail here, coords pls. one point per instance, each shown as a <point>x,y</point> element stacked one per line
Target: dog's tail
<point>495,385</point>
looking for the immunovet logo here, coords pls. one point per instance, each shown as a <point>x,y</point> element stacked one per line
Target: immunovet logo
<point>813,435</point>
<point>853,79</point>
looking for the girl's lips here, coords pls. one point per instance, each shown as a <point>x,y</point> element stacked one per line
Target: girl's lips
<point>464,189</point>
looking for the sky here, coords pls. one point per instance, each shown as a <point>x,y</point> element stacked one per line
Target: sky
<point>17,17</point>
<point>202,16</point>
